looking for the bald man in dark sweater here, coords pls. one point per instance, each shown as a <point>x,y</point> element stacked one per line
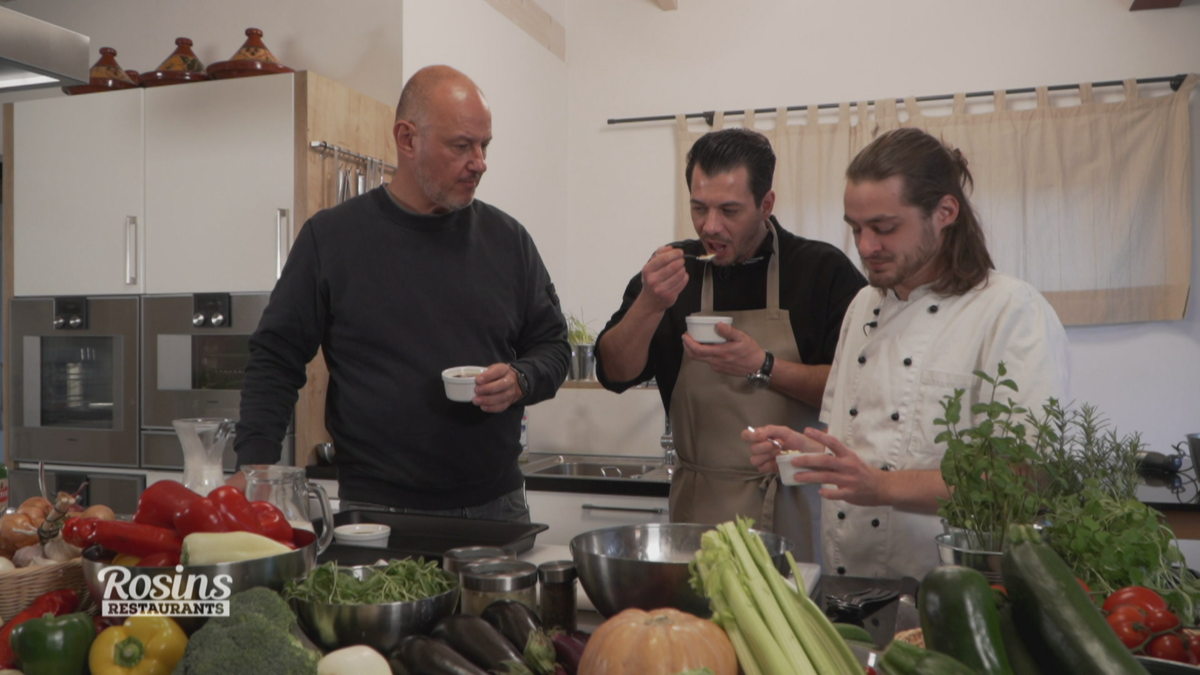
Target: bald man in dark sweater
<point>397,285</point>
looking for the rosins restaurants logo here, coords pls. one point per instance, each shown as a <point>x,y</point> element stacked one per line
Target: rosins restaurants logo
<point>176,594</point>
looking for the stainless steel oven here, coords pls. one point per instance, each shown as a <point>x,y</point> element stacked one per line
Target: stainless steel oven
<point>194,354</point>
<point>74,380</point>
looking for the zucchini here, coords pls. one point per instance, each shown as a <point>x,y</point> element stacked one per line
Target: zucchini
<point>959,618</point>
<point>901,658</point>
<point>1019,655</point>
<point>852,633</point>
<point>1052,611</point>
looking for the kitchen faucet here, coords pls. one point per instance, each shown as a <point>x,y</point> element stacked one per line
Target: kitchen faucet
<point>667,441</point>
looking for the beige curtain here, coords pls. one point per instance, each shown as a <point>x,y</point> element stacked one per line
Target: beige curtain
<point>1090,203</point>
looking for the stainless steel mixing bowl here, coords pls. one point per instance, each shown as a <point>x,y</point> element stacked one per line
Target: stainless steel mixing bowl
<point>272,572</point>
<point>381,626</point>
<point>646,566</point>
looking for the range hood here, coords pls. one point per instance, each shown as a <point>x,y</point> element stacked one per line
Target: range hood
<point>36,54</point>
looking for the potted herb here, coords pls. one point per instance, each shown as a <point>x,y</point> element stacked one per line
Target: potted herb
<point>1066,470</point>
<point>583,344</point>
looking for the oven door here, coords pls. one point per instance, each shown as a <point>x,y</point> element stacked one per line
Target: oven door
<point>191,370</point>
<point>74,380</point>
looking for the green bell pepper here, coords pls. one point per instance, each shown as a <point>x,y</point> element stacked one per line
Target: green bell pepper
<point>53,645</point>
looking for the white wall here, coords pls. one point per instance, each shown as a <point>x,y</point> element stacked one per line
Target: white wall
<point>628,58</point>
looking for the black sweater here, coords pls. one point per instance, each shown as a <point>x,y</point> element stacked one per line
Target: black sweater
<point>393,299</point>
<point>816,284</point>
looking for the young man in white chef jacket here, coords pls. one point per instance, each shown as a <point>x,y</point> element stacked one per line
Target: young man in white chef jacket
<point>935,311</point>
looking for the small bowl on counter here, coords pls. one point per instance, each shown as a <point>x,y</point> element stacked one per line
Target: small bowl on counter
<point>369,535</point>
<point>380,626</point>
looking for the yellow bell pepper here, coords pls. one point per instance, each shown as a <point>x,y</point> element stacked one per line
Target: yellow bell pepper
<point>143,645</point>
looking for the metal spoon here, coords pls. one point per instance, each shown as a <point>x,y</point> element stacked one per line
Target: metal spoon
<point>773,441</point>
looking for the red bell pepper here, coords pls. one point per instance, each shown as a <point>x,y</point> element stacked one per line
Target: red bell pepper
<point>202,515</point>
<point>80,532</point>
<point>274,523</point>
<point>160,502</point>
<point>235,510</point>
<point>136,539</point>
<point>56,603</point>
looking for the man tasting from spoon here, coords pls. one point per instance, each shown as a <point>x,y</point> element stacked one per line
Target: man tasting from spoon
<point>785,295</point>
<point>935,312</point>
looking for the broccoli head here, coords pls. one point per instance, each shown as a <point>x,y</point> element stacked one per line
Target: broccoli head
<point>249,644</point>
<point>263,601</point>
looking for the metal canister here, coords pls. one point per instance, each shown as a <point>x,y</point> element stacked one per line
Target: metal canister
<point>454,560</point>
<point>485,583</point>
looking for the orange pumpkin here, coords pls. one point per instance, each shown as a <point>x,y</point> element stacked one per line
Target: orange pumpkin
<point>658,642</point>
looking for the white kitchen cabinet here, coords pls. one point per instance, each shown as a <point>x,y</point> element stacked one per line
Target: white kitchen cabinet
<point>78,208</point>
<point>572,513</point>
<point>220,171</point>
<point>180,189</point>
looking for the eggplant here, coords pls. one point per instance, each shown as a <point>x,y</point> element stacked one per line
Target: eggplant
<point>477,640</point>
<point>523,629</point>
<point>569,648</point>
<point>421,655</point>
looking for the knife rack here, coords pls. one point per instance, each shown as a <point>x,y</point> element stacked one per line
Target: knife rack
<point>353,173</point>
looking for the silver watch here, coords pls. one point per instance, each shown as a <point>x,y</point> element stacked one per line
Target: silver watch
<point>762,378</point>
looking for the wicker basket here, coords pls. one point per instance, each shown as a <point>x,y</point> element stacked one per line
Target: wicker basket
<point>913,637</point>
<point>19,587</point>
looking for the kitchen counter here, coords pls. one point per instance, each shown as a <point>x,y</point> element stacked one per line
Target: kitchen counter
<point>656,483</point>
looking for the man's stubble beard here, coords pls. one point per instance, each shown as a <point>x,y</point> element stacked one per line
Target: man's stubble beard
<point>925,252</point>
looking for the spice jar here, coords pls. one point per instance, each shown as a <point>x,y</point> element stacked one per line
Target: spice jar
<point>558,594</point>
<point>454,560</point>
<point>485,583</point>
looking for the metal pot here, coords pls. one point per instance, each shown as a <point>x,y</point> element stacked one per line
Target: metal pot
<point>272,572</point>
<point>957,548</point>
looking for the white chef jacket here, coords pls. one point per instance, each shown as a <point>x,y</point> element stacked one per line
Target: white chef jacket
<point>895,362</point>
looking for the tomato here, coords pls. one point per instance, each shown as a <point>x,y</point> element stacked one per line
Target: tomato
<point>1193,644</point>
<point>1159,620</point>
<point>1169,647</point>
<point>1131,634</point>
<point>1000,589</point>
<point>1138,596</point>
<point>1127,613</point>
<point>1085,586</point>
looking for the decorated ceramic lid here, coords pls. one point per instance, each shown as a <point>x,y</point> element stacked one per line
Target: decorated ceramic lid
<point>253,58</point>
<point>105,75</point>
<point>181,66</point>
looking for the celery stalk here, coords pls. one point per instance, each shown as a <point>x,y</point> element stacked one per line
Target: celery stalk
<point>822,625</point>
<point>824,657</point>
<point>779,625</point>
<point>746,659</point>
<point>758,636</point>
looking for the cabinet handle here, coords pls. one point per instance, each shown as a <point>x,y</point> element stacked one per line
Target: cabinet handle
<point>632,509</point>
<point>283,239</point>
<point>131,254</point>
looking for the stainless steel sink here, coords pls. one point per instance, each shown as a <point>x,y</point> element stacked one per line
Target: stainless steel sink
<point>591,469</point>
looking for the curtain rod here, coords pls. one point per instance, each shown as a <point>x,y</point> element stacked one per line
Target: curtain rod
<point>1175,81</point>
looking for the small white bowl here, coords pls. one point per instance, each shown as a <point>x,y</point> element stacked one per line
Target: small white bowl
<point>370,535</point>
<point>460,382</point>
<point>704,328</point>
<point>787,472</point>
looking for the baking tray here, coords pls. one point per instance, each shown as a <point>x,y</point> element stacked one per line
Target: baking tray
<point>428,537</point>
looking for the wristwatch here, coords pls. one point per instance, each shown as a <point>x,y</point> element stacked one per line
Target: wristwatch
<point>522,381</point>
<point>762,378</point>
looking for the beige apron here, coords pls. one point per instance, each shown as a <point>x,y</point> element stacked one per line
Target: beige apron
<point>715,480</point>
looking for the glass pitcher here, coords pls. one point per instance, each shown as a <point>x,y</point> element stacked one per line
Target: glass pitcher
<point>203,440</point>
<point>288,488</point>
